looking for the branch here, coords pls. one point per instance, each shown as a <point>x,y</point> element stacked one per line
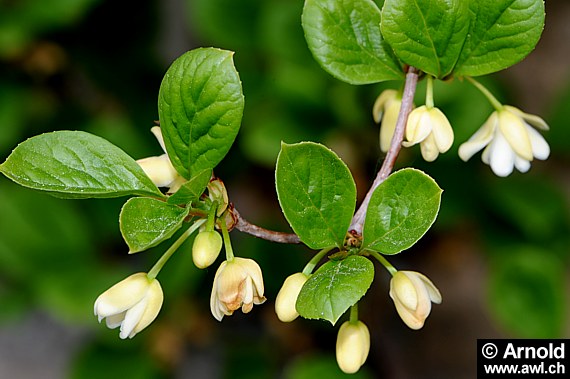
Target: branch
<point>395,146</point>
<point>245,226</point>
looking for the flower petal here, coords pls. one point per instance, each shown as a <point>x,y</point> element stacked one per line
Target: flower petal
<point>159,170</point>
<point>515,132</point>
<point>480,139</point>
<point>158,134</point>
<point>429,149</point>
<point>522,164</point>
<point>441,130</point>
<point>154,298</point>
<point>418,126</point>
<point>501,156</point>
<point>540,148</point>
<point>115,321</point>
<point>132,318</point>
<point>122,295</point>
<point>534,120</point>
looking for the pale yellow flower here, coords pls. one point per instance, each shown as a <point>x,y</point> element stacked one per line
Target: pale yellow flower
<point>385,110</point>
<point>160,169</point>
<point>429,127</point>
<point>285,303</point>
<point>413,294</point>
<point>352,346</point>
<point>238,284</point>
<point>132,304</point>
<point>511,141</point>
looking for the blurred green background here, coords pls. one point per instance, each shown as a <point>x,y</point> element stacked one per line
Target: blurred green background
<point>499,251</point>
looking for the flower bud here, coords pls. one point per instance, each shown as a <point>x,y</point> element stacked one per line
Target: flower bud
<point>352,346</point>
<point>206,248</point>
<point>238,283</point>
<point>413,294</point>
<point>132,304</point>
<point>287,297</point>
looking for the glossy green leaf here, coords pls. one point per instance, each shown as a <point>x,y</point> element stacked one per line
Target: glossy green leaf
<point>501,33</point>
<point>401,211</point>
<point>426,34</point>
<point>344,37</point>
<point>146,222</point>
<point>74,164</point>
<point>335,287</point>
<point>316,192</point>
<point>200,107</point>
<point>192,189</point>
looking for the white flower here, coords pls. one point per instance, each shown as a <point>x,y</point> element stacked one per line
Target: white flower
<point>160,169</point>
<point>285,303</point>
<point>238,284</point>
<point>206,248</point>
<point>386,109</point>
<point>132,304</point>
<point>352,346</point>
<point>429,127</point>
<point>510,139</point>
<point>413,294</point>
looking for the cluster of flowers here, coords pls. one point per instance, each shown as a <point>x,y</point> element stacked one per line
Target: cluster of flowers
<point>508,136</point>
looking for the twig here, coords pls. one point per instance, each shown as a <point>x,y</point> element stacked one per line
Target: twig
<point>245,226</point>
<point>395,146</point>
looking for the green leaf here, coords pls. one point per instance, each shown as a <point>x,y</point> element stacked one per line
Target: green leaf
<point>335,287</point>
<point>401,211</point>
<point>200,105</point>
<point>344,37</point>
<point>502,33</point>
<point>192,189</point>
<point>427,34</point>
<point>74,164</point>
<point>146,222</point>
<point>316,192</point>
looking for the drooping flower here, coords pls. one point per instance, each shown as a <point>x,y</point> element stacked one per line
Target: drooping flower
<point>413,294</point>
<point>206,248</point>
<point>160,169</point>
<point>429,127</point>
<point>352,346</point>
<point>238,284</point>
<point>511,141</point>
<point>385,110</point>
<point>285,303</point>
<point>132,304</point>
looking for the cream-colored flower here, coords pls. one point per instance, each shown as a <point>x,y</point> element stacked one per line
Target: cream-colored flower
<point>206,248</point>
<point>285,303</point>
<point>429,127</point>
<point>511,141</point>
<point>385,110</point>
<point>160,169</point>
<point>413,294</point>
<point>238,284</point>
<point>132,304</point>
<point>352,346</point>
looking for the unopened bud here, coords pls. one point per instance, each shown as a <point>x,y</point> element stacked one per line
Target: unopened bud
<point>352,346</point>
<point>206,248</point>
<point>287,297</point>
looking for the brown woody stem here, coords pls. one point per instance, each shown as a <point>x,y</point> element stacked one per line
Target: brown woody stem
<point>395,146</point>
<point>245,226</point>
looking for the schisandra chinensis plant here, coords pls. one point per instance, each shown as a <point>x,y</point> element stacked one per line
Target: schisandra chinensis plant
<point>200,108</point>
